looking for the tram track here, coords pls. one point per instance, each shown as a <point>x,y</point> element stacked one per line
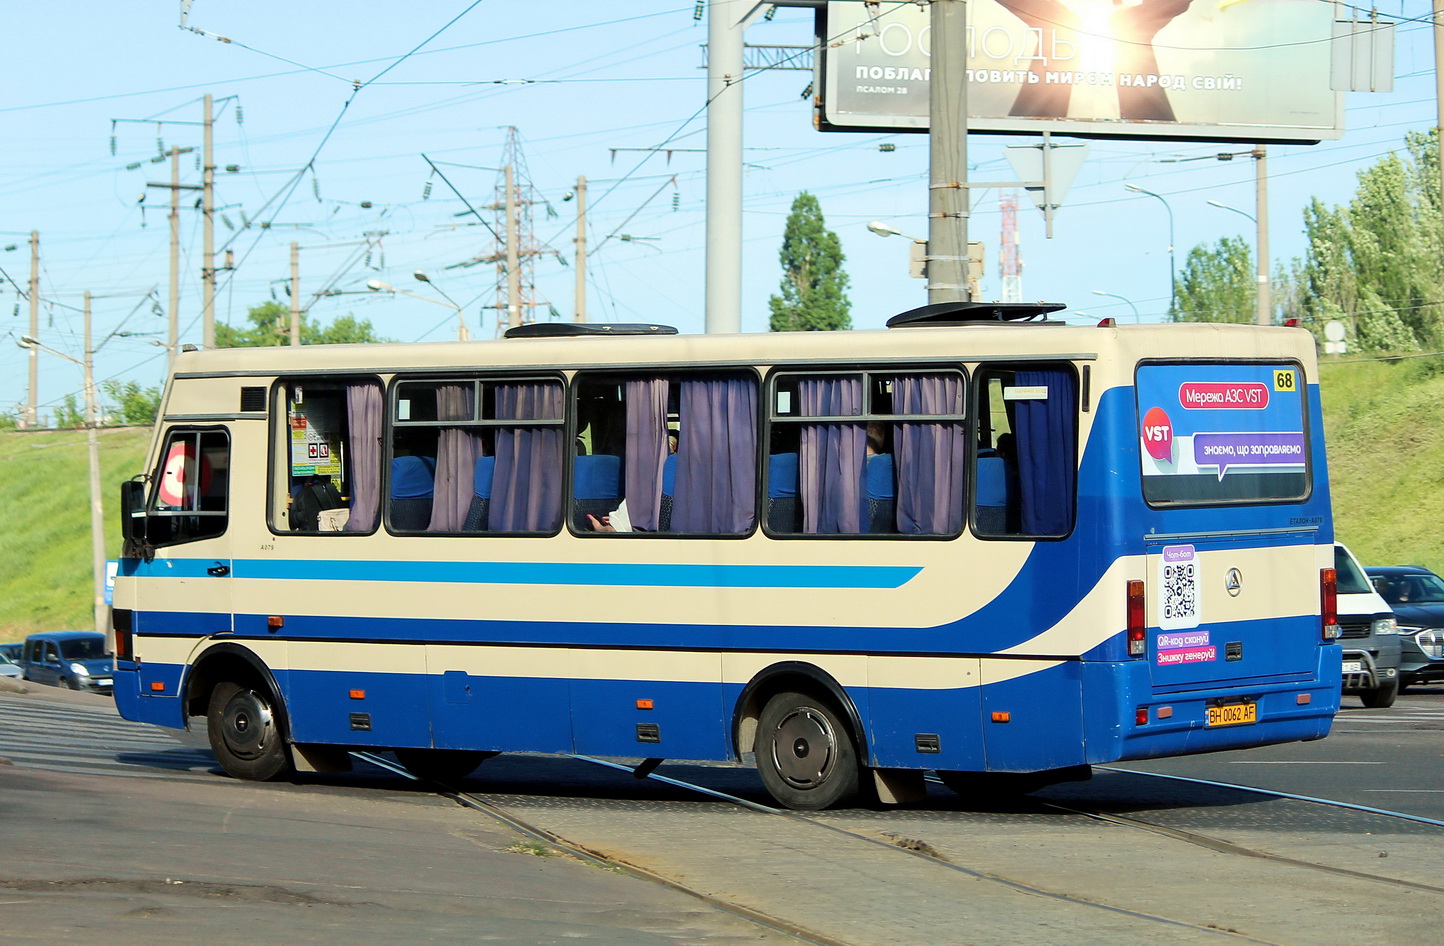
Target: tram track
<point>922,850</point>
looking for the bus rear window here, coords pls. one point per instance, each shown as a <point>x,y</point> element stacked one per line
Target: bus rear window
<point>1222,433</point>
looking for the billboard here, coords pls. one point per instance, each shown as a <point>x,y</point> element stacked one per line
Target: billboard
<point>1235,70</point>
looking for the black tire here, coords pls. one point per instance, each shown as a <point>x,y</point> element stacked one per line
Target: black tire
<point>1381,697</point>
<point>441,765</point>
<point>1404,683</point>
<point>805,753</point>
<point>246,734</point>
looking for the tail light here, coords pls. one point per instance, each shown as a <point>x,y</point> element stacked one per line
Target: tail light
<point>122,622</point>
<point>1137,641</point>
<point>1329,603</point>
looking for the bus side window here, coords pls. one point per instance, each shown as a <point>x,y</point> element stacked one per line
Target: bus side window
<point>190,487</point>
<point>328,466</point>
<point>1025,466</point>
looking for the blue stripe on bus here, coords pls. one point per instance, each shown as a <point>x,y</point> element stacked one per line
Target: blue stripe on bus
<point>829,577</point>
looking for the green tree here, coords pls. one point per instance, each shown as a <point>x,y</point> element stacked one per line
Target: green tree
<point>69,413</point>
<point>133,403</point>
<point>270,324</point>
<point>814,285</point>
<point>1218,283</point>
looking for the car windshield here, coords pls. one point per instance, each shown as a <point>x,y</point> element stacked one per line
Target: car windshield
<point>1350,580</point>
<point>84,648</point>
<point>5,659</point>
<point>1412,589</point>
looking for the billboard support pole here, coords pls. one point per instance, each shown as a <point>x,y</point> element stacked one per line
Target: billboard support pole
<point>725,28</point>
<point>1439,93</point>
<point>948,202</point>
<point>1264,313</point>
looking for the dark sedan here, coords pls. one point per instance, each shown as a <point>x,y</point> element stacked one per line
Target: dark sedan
<point>1417,596</point>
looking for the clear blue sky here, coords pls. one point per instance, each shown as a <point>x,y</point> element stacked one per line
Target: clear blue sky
<point>599,77</point>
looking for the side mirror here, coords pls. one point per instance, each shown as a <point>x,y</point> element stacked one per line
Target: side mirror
<point>132,515</point>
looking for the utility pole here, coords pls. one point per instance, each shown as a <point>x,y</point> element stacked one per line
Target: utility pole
<point>97,512</point>
<point>175,187</point>
<point>513,254</point>
<point>208,223</point>
<point>295,294</point>
<point>947,259</point>
<point>32,409</point>
<point>1439,94</point>
<point>1264,313</point>
<point>725,28</point>
<point>581,315</point>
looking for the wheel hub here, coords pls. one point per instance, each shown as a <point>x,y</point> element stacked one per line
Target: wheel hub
<point>247,724</point>
<point>804,748</point>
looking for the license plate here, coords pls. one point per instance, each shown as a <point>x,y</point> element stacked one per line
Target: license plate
<point>1233,714</point>
<point>1353,666</point>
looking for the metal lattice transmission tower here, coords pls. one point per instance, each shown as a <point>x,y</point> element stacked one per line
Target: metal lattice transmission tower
<point>516,252</point>
<point>1010,265</point>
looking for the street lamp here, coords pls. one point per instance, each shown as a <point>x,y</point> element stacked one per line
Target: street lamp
<point>1136,317</point>
<point>917,253</point>
<point>1172,267</point>
<point>1262,303</point>
<point>1223,206</point>
<point>463,334</point>
<point>97,511</point>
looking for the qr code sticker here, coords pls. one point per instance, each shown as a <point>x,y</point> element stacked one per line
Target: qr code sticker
<point>1179,581</point>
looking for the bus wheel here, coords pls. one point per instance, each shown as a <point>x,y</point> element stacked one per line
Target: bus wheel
<point>805,753</point>
<point>1381,697</point>
<point>441,765</point>
<point>244,733</point>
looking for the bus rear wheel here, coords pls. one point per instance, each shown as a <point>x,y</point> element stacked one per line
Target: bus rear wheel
<point>245,734</point>
<point>805,754</point>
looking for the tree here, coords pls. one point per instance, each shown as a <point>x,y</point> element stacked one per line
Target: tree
<point>1218,283</point>
<point>271,325</point>
<point>814,296</point>
<point>133,403</point>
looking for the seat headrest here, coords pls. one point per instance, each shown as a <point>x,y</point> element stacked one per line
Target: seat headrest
<point>481,476</point>
<point>412,477</point>
<point>879,477</point>
<point>781,475</point>
<point>598,476</point>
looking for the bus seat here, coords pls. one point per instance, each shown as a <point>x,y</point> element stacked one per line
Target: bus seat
<point>880,488</point>
<point>992,494</point>
<point>413,480</point>
<point>669,490</point>
<point>478,515</point>
<point>596,488</point>
<point>782,509</point>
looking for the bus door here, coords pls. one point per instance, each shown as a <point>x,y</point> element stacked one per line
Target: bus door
<point>185,590</point>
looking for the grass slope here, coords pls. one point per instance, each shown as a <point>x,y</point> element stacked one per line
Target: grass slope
<point>1386,463</point>
<point>45,571</point>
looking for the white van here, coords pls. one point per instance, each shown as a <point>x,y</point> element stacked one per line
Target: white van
<point>1369,633</point>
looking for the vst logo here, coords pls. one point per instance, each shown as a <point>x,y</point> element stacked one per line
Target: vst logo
<point>1158,434</point>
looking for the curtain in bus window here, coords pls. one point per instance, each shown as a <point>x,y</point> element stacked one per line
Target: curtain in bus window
<point>831,456</point>
<point>457,450</point>
<point>526,494</point>
<point>1047,430</point>
<point>646,451</point>
<point>931,457</point>
<point>716,456</point>
<point>363,416</point>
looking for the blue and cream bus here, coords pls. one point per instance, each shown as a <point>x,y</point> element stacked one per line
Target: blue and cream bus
<point>981,542</point>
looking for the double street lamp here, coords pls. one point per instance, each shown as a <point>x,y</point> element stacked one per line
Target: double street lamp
<point>1172,267</point>
<point>1114,295</point>
<point>463,334</point>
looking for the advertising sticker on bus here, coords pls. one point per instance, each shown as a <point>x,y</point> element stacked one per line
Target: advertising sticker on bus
<point>1221,433</point>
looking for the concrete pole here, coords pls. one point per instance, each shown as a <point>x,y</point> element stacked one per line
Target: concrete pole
<point>581,315</point>
<point>97,510</point>
<point>208,226</point>
<point>725,29</point>
<point>513,254</point>
<point>1264,312</point>
<point>295,294</point>
<point>1439,94</point>
<point>173,335</point>
<point>32,403</point>
<point>947,259</point>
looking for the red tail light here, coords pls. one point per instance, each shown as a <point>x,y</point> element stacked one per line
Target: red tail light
<point>121,621</point>
<point>1329,603</point>
<point>1137,641</point>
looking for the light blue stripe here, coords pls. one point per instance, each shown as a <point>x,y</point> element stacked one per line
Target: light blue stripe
<point>557,573</point>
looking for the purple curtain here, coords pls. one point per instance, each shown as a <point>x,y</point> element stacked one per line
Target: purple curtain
<point>1047,437</point>
<point>526,492</point>
<point>831,456</point>
<point>457,449</point>
<point>931,457</point>
<point>716,456</point>
<point>363,416</point>
<point>646,452</point>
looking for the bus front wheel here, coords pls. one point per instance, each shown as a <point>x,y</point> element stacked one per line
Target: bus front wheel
<point>805,753</point>
<point>245,734</point>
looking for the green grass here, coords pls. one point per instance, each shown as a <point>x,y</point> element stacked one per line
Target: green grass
<point>45,565</point>
<point>1386,464</point>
